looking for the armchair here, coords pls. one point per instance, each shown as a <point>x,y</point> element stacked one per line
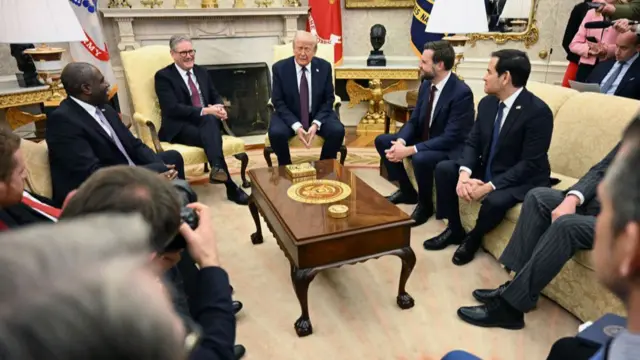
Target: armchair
<point>140,67</point>
<point>325,51</point>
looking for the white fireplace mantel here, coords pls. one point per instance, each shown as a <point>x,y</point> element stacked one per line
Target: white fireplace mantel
<point>197,19</point>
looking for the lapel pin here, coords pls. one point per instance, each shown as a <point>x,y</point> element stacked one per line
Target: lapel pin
<point>518,107</point>
<point>317,70</point>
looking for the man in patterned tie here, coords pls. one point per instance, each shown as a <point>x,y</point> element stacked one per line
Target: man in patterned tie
<point>303,98</point>
<point>505,156</point>
<point>192,111</point>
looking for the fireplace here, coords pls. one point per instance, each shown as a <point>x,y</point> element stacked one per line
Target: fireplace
<point>245,89</point>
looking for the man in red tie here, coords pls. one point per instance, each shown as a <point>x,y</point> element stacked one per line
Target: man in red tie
<point>17,206</point>
<point>436,131</point>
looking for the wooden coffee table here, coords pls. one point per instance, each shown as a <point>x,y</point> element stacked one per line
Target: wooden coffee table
<point>313,241</point>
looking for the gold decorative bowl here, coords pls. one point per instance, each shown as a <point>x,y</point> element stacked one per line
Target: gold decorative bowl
<point>338,211</point>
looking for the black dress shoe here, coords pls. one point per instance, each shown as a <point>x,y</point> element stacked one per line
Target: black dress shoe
<point>237,306</point>
<point>239,351</point>
<point>486,295</point>
<point>218,175</point>
<point>238,196</point>
<point>446,238</point>
<point>421,214</point>
<point>399,197</point>
<point>467,251</point>
<point>497,313</point>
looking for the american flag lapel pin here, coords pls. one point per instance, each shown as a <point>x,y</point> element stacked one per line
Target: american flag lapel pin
<point>518,107</point>
<point>317,70</point>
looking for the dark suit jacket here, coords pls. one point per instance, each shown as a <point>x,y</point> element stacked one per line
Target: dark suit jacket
<point>452,119</point>
<point>520,162</point>
<point>78,146</point>
<point>213,311</point>
<point>573,25</point>
<point>20,214</point>
<point>286,96</point>
<point>175,101</point>
<point>588,184</point>
<point>629,86</point>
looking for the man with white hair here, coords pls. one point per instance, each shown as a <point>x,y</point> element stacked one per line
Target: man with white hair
<point>303,98</point>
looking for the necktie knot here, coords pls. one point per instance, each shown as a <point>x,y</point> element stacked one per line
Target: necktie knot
<point>188,73</point>
<point>434,89</point>
<point>304,68</point>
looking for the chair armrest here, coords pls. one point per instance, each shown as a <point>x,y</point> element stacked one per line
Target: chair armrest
<point>147,132</point>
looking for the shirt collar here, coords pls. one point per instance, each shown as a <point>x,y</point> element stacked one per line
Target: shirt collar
<point>88,107</point>
<point>182,71</point>
<point>511,99</point>
<point>299,68</point>
<point>442,83</point>
<point>632,59</point>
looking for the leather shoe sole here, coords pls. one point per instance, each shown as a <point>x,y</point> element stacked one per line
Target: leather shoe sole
<point>218,176</point>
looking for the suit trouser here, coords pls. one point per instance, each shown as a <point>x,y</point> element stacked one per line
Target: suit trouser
<point>492,211</point>
<point>572,348</point>
<point>170,157</point>
<point>332,131</point>
<point>206,135</point>
<point>424,164</point>
<point>538,248</point>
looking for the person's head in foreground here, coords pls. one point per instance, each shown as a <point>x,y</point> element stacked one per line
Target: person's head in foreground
<point>508,71</point>
<point>617,234</point>
<point>437,60</point>
<point>13,170</point>
<point>305,45</point>
<point>85,82</point>
<point>127,190</point>
<point>64,298</point>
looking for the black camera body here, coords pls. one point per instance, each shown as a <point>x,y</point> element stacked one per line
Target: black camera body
<point>187,214</point>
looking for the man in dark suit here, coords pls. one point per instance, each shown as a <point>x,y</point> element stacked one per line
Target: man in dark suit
<point>192,110</point>
<point>436,130</point>
<point>84,134</point>
<point>303,98</point>
<point>552,226</point>
<point>620,77</point>
<point>17,206</point>
<point>504,157</point>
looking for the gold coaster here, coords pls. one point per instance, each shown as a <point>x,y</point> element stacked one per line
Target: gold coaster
<point>338,211</point>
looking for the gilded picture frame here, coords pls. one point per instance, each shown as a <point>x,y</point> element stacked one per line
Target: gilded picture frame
<point>370,4</point>
<point>530,35</point>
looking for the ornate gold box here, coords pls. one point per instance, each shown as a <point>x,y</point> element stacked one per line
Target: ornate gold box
<point>304,170</point>
<point>338,211</point>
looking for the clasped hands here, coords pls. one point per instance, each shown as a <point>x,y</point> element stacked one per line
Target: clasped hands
<point>470,189</point>
<point>398,151</point>
<point>216,110</point>
<point>306,137</point>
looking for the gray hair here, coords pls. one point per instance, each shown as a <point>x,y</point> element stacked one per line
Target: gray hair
<point>623,185</point>
<point>63,297</point>
<point>177,39</point>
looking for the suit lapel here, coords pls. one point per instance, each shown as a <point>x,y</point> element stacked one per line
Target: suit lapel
<point>629,76</point>
<point>446,93</point>
<point>89,120</point>
<point>200,75</point>
<point>293,82</point>
<point>516,110</point>
<point>316,78</point>
<point>489,125</point>
<point>178,78</point>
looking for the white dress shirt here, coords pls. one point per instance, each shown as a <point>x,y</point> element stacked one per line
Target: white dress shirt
<point>623,72</point>
<point>508,104</point>
<point>439,87</point>
<point>298,124</point>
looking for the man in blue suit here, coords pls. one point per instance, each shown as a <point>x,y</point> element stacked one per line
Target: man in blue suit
<point>303,98</point>
<point>436,131</point>
<point>620,76</point>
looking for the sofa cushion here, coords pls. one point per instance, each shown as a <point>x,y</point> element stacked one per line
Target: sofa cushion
<point>554,96</point>
<point>38,173</point>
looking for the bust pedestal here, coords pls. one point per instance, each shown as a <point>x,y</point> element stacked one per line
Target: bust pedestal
<point>376,58</point>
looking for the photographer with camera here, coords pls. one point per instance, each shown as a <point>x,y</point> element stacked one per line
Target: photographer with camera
<point>176,222</point>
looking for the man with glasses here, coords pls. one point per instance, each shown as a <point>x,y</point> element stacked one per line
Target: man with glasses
<point>192,110</point>
<point>303,99</point>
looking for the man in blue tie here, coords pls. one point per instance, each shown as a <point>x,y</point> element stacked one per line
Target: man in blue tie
<point>504,157</point>
<point>620,76</point>
<point>303,98</point>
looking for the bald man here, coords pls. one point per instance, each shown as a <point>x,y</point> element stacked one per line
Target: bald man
<point>620,76</point>
<point>303,99</point>
<point>84,134</point>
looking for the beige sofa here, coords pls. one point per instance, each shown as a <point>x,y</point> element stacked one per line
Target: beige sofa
<point>586,127</point>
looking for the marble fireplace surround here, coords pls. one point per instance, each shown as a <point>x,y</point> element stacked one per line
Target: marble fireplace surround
<point>220,36</point>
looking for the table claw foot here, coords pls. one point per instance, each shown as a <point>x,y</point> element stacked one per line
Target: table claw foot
<point>303,327</point>
<point>405,301</point>
<point>256,238</point>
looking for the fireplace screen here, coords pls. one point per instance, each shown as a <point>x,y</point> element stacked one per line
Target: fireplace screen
<point>246,89</point>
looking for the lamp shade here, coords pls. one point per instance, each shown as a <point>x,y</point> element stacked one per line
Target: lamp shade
<point>38,21</point>
<point>458,17</point>
<point>516,9</point>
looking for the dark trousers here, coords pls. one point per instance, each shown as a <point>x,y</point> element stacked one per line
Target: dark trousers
<point>424,164</point>
<point>170,157</point>
<point>332,131</point>
<point>538,248</point>
<point>572,348</point>
<point>208,136</point>
<point>492,211</point>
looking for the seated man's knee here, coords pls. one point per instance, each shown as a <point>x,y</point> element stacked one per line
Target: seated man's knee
<point>446,169</point>
<point>536,195</point>
<point>383,141</point>
<point>424,160</point>
<point>568,223</point>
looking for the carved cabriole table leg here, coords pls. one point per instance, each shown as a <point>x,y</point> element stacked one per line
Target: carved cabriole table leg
<point>408,257</point>
<point>301,278</point>
<point>256,237</point>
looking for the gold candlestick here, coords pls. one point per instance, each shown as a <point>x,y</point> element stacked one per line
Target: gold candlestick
<point>181,4</point>
<point>209,4</point>
<point>238,4</point>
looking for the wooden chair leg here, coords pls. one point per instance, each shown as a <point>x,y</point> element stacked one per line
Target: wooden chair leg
<point>244,161</point>
<point>206,168</point>
<point>343,154</point>
<point>267,155</point>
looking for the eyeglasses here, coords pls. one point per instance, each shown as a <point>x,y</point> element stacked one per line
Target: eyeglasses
<point>187,53</point>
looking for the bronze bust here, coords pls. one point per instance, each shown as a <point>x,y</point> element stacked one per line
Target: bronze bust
<point>377,37</point>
